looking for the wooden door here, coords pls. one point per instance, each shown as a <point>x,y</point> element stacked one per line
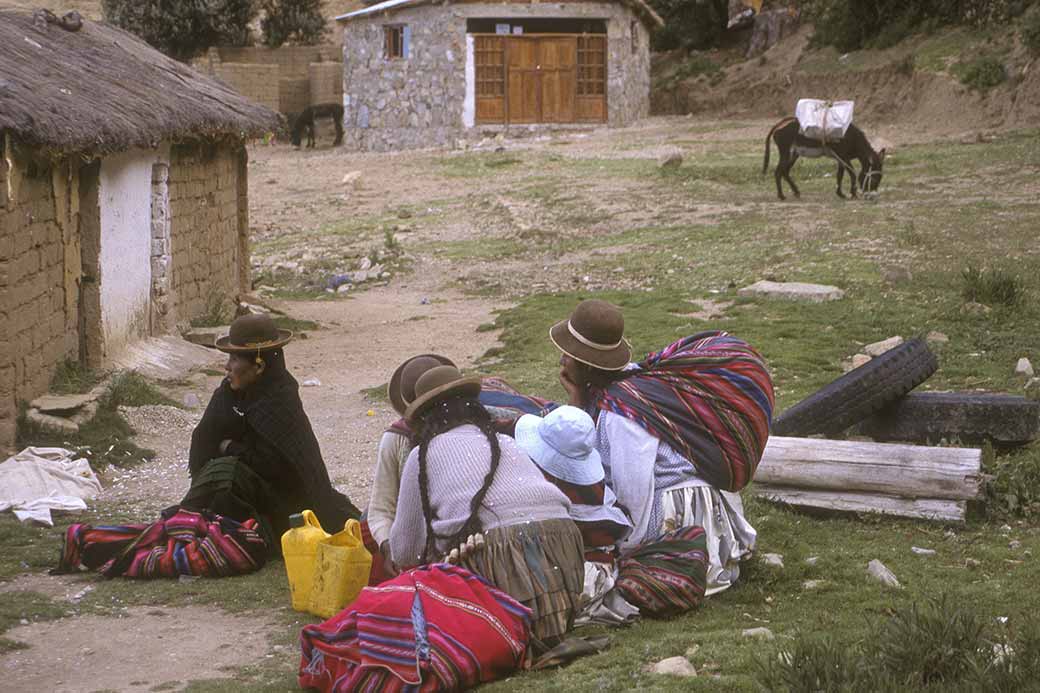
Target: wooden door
<point>524,86</point>
<point>592,79</point>
<point>490,60</point>
<point>557,58</point>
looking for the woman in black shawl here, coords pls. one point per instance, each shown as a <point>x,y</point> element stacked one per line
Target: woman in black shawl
<point>254,453</point>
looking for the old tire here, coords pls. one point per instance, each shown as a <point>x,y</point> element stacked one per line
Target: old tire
<point>860,392</point>
<point>967,417</point>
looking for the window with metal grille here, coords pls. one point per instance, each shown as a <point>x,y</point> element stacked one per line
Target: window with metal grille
<point>592,66</point>
<point>395,41</point>
<point>490,59</point>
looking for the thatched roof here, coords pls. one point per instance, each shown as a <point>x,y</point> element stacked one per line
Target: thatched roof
<point>640,7</point>
<point>101,90</point>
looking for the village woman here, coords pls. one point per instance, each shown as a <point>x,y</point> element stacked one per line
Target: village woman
<point>462,479</point>
<point>254,453</point>
<point>678,434</point>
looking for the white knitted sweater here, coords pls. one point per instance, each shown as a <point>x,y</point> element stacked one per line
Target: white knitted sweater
<point>457,462</point>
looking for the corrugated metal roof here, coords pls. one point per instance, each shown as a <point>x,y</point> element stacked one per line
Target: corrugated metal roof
<point>639,5</point>
<point>379,7</point>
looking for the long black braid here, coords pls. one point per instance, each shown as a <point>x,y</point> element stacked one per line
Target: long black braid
<point>439,418</point>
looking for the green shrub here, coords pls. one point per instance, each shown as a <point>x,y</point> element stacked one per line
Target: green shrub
<point>982,73</point>
<point>1030,31</point>
<point>292,21</point>
<point>689,24</point>
<point>183,30</point>
<point>993,286</point>
<point>1014,487</point>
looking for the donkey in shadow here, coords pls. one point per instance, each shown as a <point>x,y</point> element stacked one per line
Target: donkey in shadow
<point>304,123</point>
<point>852,146</point>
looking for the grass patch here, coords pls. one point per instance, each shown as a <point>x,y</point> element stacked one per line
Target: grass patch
<point>298,326</point>
<point>992,287</point>
<point>72,377</point>
<point>376,394</point>
<point>30,606</point>
<point>219,311</point>
<point>981,73</point>
<point>131,389</point>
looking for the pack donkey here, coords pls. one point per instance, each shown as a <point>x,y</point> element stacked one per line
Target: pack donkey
<point>305,123</point>
<point>852,146</point>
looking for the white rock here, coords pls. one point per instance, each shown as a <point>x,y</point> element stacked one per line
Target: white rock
<point>352,178</point>
<point>812,560</point>
<point>922,552</point>
<point>877,570</point>
<point>61,404</point>
<point>311,382</point>
<point>773,559</point>
<point>760,633</point>
<point>343,288</point>
<point>671,159</point>
<point>878,348</point>
<point>936,338</point>
<point>674,666</point>
<point>1024,368</point>
<point>793,291</point>
<point>1014,544</point>
<point>812,584</point>
<point>364,264</point>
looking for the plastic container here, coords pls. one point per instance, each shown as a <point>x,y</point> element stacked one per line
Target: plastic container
<point>299,549</point>
<point>341,571</point>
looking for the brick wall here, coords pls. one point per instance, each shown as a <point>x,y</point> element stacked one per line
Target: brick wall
<point>33,299</point>
<point>206,233</point>
<point>326,83</point>
<point>292,61</point>
<point>254,81</point>
<point>294,95</point>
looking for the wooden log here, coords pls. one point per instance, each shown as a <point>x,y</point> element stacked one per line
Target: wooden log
<point>904,471</point>
<point>919,508</point>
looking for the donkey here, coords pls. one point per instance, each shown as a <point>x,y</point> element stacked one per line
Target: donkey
<point>305,123</point>
<point>853,145</point>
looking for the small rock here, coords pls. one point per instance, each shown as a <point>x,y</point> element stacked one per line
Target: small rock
<point>692,651</point>
<point>897,275</point>
<point>877,570</point>
<point>773,559</point>
<point>1014,544</point>
<point>384,275</point>
<point>812,584</point>
<point>343,288</point>
<point>793,291</point>
<point>971,563</point>
<point>249,309</point>
<point>670,160</point>
<point>192,401</point>
<point>760,633</point>
<point>922,552</point>
<point>674,666</point>
<point>364,264</point>
<point>54,423</point>
<point>973,308</point>
<point>404,214</point>
<point>352,178</point>
<point>24,621</point>
<point>936,338</point>
<point>187,578</point>
<point>856,361</point>
<point>878,348</point>
<point>311,382</point>
<point>205,336</point>
<point>1023,368</point>
<point>812,560</point>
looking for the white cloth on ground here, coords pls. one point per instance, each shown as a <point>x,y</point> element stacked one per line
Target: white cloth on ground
<point>601,604</point>
<point>730,537</point>
<point>38,480</point>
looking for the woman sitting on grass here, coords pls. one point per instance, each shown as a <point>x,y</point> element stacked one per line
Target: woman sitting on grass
<point>464,479</point>
<point>679,433</point>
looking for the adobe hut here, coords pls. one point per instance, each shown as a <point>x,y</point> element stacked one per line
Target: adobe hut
<point>123,201</point>
<point>419,73</point>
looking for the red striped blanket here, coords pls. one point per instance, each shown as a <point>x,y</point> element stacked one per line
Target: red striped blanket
<point>182,542</point>
<point>666,577</point>
<point>709,396</point>
<point>432,628</point>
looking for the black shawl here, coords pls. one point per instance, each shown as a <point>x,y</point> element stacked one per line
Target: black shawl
<point>271,413</point>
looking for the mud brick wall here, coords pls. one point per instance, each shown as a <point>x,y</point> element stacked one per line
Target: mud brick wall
<point>292,61</point>
<point>35,336</point>
<point>294,95</point>
<point>207,236</point>
<point>326,83</point>
<point>256,82</point>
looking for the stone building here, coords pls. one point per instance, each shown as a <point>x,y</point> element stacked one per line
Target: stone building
<point>418,73</point>
<point>123,199</point>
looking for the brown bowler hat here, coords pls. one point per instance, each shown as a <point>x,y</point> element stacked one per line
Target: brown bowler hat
<point>595,335</point>
<point>437,384</point>
<point>253,332</point>
<point>401,388</point>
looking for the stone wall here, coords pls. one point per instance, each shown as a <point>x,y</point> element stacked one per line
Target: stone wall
<point>419,101</point>
<point>206,234</point>
<point>35,303</point>
<point>254,81</point>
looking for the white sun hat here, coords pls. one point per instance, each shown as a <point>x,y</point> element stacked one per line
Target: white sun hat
<point>562,444</point>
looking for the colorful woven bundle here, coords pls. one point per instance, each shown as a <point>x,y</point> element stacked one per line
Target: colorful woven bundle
<point>666,577</point>
<point>181,543</point>
<point>710,397</point>
<point>433,628</point>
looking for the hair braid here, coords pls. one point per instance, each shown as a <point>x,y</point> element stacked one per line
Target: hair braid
<point>424,495</point>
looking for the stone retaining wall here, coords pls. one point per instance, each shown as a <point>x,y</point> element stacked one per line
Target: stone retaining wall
<point>419,101</point>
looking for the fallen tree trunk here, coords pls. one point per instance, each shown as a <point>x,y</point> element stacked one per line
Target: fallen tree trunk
<point>919,508</point>
<point>904,471</point>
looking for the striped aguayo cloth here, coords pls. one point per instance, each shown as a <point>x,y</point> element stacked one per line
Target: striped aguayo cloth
<point>710,397</point>
<point>432,628</point>
<point>181,543</point>
<point>666,577</point>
